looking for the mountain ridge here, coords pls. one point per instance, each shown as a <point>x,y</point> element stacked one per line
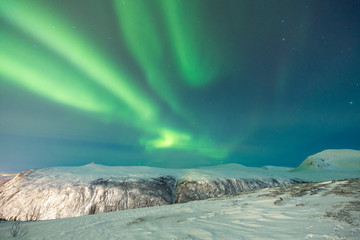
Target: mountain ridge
<point>60,192</point>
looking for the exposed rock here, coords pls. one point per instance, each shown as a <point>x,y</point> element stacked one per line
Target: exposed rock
<point>279,200</point>
<point>200,190</point>
<point>23,200</point>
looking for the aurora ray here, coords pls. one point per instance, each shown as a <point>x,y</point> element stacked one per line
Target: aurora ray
<point>148,48</point>
<point>55,32</point>
<point>198,61</point>
<point>14,56</point>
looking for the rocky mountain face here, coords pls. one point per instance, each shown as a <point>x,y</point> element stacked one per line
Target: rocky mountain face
<point>30,197</point>
<point>23,200</point>
<point>188,191</point>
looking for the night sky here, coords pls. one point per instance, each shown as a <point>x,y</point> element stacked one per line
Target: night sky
<point>177,83</point>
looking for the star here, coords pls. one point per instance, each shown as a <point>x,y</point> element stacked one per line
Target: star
<point>351,102</point>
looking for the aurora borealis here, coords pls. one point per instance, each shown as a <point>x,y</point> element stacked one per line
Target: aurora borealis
<point>177,83</point>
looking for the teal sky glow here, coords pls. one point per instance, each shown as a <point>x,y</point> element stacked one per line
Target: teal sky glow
<point>176,83</point>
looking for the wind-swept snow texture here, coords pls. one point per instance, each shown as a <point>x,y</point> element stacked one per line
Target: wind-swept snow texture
<point>62,192</point>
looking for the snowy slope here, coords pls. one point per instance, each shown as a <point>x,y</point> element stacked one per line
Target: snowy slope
<point>328,210</point>
<point>339,159</point>
<point>4,179</point>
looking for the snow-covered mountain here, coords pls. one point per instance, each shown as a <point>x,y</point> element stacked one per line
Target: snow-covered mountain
<point>327,210</point>
<point>61,192</point>
<point>332,160</point>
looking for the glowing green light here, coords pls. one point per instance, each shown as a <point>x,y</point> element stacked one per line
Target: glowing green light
<point>72,71</point>
<point>29,68</point>
<point>55,32</point>
<point>169,138</point>
<point>196,59</point>
<point>145,40</point>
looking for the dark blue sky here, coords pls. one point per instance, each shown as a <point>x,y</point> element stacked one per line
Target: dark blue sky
<point>177,83</point>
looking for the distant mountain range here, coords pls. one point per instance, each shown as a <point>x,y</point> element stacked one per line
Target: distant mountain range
<point>61,192</point>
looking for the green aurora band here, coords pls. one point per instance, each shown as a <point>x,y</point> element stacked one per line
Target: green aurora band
<point>198,62</point>
<point>57,34</point>
<point>147,48</point>
<point>73,71</point>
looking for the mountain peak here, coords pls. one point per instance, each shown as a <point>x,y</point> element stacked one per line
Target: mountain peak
<point>332,159</point>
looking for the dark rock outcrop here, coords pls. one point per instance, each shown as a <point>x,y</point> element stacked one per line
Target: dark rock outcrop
<point>199,190</point>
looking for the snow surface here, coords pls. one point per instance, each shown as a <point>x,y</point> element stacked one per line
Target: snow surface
<point>5,177</point>
<point>332,159</point>
<point>308,211</point>
<point>87,173</point>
